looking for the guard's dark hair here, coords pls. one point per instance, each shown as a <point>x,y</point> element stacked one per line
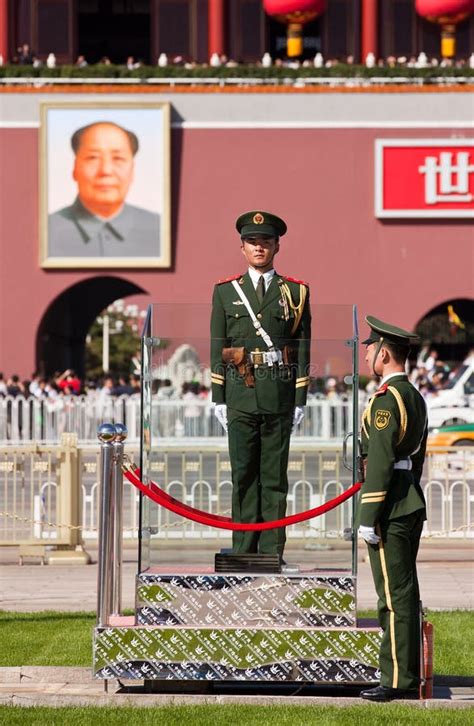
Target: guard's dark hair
<point>399,352</point>
<point>77,135</point>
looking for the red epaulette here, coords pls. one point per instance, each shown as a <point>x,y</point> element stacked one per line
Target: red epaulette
<point>293,279</point>
<point>380,391</point>
<point>229,279</point>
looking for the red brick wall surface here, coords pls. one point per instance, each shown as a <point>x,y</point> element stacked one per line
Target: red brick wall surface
<point>321,181</point>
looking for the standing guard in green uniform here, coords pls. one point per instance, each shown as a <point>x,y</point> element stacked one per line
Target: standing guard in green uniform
<point>260,348</point>
<point>392,509</point>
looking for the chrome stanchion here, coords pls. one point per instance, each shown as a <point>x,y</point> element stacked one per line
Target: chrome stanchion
<point>117,489</point>
<point>106,434</point>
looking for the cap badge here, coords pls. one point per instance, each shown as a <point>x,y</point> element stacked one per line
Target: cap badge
<point>258,218</point>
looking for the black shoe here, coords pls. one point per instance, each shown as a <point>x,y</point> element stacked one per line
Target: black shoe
<point>384,693</point>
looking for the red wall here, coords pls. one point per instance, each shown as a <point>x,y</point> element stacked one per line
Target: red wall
<point>319,180</point>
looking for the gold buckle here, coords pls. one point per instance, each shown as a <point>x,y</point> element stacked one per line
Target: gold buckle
<point>257,357</point>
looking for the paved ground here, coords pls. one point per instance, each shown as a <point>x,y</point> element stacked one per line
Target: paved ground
<point>54,686</point>
<point>446,573</point>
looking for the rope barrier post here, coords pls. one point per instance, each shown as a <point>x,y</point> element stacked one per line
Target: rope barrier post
<point>117,492</point>
<point>106,434</point>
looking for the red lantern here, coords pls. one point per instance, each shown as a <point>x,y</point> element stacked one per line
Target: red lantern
<point>446,13</point>
<point>294,13</point>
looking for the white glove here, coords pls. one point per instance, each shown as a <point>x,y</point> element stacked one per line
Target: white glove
<point>220,411</point>
<point>298,416</point>
<point>368,533</point>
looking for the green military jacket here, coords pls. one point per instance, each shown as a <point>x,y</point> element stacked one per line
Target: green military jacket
<point>285,315</point>
<point>393,428</point>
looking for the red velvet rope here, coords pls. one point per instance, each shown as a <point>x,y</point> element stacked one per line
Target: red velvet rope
<point>153,492</point>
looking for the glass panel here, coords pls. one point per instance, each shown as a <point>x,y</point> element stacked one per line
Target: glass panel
<point>145,439</point>
<point>185,450</point>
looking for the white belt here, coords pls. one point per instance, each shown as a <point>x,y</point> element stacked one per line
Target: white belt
<point>405,464</point>
<point>268,357</point>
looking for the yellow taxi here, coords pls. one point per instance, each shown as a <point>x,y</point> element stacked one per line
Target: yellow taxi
<point>456,435</point>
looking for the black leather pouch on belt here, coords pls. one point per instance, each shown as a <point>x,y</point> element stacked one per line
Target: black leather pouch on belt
<point>238,357</point>
<point>288,355</point>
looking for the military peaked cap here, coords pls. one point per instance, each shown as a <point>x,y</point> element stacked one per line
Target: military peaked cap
<point>390,333</point>
<point>262,224</point>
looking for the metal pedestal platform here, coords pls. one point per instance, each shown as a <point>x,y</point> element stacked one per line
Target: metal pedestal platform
<point>217,627</point>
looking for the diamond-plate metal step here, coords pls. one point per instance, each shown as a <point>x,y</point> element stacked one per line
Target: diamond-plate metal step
<point>326,656</point>
<point>264,600</point>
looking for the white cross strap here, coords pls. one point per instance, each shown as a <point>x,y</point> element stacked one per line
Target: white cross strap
<point>257,324</point>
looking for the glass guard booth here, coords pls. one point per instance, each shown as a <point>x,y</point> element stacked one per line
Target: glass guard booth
<point>195,620</point>
<point>184,449</point>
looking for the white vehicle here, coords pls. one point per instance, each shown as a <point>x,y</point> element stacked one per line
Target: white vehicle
<point>454,403</point>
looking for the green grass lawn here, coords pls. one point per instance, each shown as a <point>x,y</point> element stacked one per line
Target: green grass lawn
<point>223,715</point>
<point>65,639</point>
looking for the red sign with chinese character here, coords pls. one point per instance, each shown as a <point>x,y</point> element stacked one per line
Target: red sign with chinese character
<point>418,178</point>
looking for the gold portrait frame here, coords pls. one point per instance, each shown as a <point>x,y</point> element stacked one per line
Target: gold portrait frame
<point>161,260</point>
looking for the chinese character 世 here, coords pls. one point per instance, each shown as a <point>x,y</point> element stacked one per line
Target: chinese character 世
<point>442,174</point>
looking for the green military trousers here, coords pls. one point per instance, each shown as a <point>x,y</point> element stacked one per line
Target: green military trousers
<point>258,449</point>
<point>393,563</point>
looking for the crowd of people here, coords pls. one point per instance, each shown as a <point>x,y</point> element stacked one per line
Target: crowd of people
<point>429,374</point>
<point>50,405</point>
<point>68,383</point>
<point>26,56</point>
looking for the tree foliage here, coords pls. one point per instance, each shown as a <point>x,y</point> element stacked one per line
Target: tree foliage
<point>277,74</point>
<point>124,344</point>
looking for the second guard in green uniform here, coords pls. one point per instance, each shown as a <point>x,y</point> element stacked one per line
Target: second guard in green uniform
<point>260,331</point>
<point>392,507</point>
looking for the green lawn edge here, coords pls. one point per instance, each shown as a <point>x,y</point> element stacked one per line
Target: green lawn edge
<point>241,714</point>
<point>51,638</point>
